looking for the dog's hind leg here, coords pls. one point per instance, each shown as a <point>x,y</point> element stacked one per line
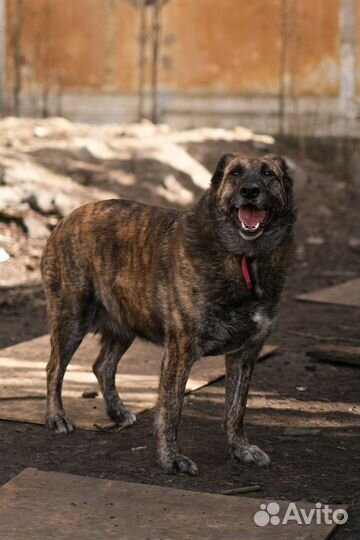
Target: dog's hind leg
<point>66,334</point>
<point>112,349</point>
<point>239,368</point>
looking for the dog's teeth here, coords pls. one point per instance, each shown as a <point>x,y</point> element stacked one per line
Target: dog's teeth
<point>250,228</point>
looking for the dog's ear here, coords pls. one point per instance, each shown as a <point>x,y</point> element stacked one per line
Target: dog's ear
<point>220,168</point>
<point>284,167</point>
<point>280,162</point>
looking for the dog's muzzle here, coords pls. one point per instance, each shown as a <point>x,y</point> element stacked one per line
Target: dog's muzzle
<point>252,220</point>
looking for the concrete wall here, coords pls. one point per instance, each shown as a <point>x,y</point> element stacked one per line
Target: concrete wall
<point>219,62</point>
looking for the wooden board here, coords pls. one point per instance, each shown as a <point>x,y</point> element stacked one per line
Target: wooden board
<point>22,375</point>
<point>37,505</point>
<point>345,294</point>
<point>343,354</point>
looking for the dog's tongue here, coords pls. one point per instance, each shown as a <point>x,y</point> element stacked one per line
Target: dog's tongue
<point>251,216</point>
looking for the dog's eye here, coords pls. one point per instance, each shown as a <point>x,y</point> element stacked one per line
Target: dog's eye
<point>267,172</point>
<point>236,172</point>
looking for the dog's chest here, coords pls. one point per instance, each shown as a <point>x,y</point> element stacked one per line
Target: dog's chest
<point>231,318</point>
<point>226,328</point>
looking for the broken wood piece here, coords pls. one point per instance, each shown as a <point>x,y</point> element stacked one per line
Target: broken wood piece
<point>267,351</point>
<point>242,489</point>
<point>345,294</point>
<point>343,354</point>
<point>90,394</point>
<point>322,338</point>
<point>112,428</point>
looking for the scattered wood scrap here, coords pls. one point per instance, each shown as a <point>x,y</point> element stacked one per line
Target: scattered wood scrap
<point>92,394</point>
<point>343,354</point>
<point>316,337</point>
<point>240,490</point>
<point>345,294</point>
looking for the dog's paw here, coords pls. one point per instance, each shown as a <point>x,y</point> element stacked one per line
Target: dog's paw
<point>122,417</point>
<point>59,423</point>
<point>179,464</point>
<point>249,453</point>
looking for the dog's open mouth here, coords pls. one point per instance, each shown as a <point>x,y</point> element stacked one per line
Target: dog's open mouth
<point>251,219</point>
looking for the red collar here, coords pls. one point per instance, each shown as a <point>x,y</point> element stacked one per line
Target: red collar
<point>245,271</point>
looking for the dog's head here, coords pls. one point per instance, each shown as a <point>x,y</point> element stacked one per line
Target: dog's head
<point>252,202</point>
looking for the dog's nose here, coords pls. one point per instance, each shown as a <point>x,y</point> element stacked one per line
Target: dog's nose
<point>250,190</point>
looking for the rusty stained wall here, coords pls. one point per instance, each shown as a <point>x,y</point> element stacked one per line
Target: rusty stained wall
<point>235,46</point>
<point>88,45</point>
<point>207,46</point>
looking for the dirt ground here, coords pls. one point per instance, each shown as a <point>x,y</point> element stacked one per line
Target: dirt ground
<point>288,390</point>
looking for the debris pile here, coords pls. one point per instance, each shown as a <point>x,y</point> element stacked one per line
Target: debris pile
<point>49,167</point>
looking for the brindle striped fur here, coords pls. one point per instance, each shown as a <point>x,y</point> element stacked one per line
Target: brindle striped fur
<point>172,277</point>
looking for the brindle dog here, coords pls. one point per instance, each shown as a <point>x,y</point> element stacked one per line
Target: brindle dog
<point>205,281</point>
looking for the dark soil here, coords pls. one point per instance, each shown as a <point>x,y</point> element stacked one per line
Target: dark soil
<point>323,467</point>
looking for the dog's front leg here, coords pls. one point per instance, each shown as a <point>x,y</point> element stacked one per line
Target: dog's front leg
<point>175,369</point>
<point>239,368</point>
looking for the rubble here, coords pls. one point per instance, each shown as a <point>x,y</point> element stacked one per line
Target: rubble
<point>354,243</point>
<point>42,202</point>
<point>4,256</point>
<point>64,204</point>
<point>51,166</point>
<point>5,240</point>
<point>35,228</point>
<point>315,240</point>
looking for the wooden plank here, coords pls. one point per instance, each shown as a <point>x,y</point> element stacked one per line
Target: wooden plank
<point>22,375</point>
<point>345,294</point>
<point>39,505</point>
<point>241,490</point>
<point>343,354</point>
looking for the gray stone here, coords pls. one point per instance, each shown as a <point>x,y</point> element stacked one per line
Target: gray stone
<point>6,240</point>
<point>324,211</point>
<point>35,228</point>
<point>42,202</point>
<point>20,173</point>
<point>315,240</point>
<point>4,256</point>
<point>10,196</point>
<point>354,243</point>
<point>15,212</point>
<point>63,204</point>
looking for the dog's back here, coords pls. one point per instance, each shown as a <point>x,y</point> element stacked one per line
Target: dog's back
<point>102,252</point>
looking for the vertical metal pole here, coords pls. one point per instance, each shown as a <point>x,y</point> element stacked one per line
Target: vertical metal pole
<point>347,31</point>
<point>17,56</point>
<point>142,60</point>
<point>282,65</point>
<point>155,59</point>
<point>2,56</point>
